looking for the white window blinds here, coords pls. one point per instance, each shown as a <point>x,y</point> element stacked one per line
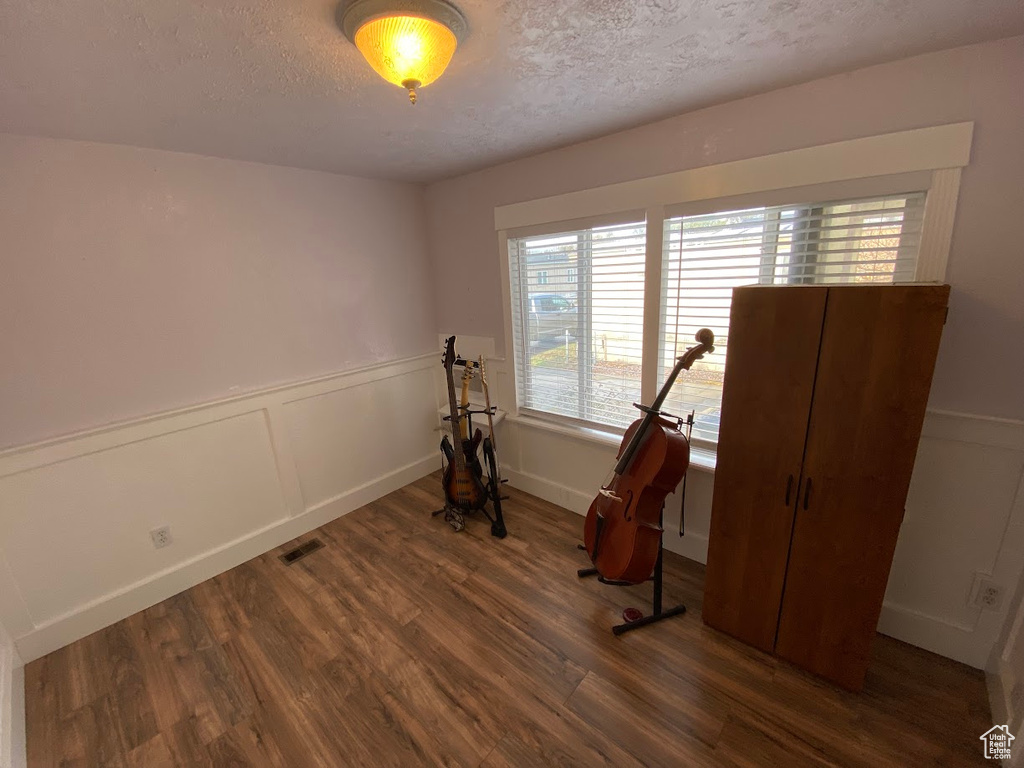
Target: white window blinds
<point>705,256</point>
<point>577,319</point>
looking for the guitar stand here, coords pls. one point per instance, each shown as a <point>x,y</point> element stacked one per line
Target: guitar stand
<point>634,619</point>
<point>456,516</point>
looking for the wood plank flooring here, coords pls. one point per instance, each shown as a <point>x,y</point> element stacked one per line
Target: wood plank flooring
<point>404,643</point>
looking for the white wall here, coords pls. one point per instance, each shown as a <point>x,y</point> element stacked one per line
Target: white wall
<point>134,281</point>
<point>965,512</point>
<point>232,479</point>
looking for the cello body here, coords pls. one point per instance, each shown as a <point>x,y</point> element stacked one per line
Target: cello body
<point>622,532</point>
<point>631,530</point>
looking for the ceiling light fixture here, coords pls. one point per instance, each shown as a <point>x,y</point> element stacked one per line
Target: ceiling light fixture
<point>408,42</point>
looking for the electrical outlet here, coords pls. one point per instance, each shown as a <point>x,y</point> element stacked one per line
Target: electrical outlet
<point>161,536</point>
<point>985,593</point>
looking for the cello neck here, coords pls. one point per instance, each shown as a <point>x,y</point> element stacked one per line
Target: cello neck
<point>705,344</point>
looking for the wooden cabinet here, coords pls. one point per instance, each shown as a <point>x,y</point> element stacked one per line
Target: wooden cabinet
<point>824,398</point>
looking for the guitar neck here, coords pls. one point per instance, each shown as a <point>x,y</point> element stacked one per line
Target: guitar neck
<point>464,423</point>
<point>459,456</point>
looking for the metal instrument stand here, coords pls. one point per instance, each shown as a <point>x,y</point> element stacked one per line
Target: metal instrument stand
<point>657,614</point>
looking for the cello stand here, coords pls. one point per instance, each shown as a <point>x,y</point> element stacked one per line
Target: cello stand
<point>634,619</point>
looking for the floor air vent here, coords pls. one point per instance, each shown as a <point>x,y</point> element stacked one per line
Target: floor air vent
<point>294,555</point>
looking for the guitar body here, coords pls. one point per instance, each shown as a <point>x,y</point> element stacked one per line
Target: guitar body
<point>464,488</point>
<point>630,514</point>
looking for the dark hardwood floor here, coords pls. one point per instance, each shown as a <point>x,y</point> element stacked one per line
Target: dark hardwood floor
<point>404,643</point>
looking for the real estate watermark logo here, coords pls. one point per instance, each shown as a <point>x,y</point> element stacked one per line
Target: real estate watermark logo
<point>997,742</point>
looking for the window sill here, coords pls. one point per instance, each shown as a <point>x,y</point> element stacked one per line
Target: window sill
<point>701,459</point>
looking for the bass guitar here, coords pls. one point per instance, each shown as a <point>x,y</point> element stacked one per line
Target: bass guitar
<point>462,478</point>
<point>622,532</point>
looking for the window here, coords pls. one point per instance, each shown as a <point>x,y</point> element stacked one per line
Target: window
<point>872,240</point>
<point>578,351</point>
<point>578,296</point>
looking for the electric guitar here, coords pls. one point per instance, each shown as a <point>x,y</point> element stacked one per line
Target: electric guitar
<point>462,479</point>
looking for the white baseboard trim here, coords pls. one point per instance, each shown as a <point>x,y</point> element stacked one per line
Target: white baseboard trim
<point>999,685</point>
<point>946,638</point>
<point>113,607</point>
<point>541,487</point>
<point>693,546</point>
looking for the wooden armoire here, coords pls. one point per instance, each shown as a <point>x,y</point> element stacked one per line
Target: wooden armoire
<point>823,402</point>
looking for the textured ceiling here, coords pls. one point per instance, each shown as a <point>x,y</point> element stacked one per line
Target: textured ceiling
<point>275,80</point>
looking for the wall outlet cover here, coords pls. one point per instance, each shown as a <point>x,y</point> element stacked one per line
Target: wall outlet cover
<point>161,536</point>
<point>986,594</point>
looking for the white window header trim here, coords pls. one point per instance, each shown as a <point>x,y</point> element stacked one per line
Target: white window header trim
<point>923,149</point>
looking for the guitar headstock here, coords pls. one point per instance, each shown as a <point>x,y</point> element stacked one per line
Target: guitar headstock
<point>483,371</point>
<point>449,354</point>
<point>705,345</point>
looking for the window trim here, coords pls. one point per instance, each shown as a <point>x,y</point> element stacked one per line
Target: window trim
<point>928,159</point>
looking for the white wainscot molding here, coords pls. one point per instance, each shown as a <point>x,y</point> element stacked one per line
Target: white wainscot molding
<point>232,479</point>
<point>965,514</point>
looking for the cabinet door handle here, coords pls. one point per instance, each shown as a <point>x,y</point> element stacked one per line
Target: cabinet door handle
<point>807,492</point>
<point>789,489</point>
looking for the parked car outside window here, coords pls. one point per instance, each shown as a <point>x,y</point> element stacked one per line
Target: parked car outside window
<point>551,315</point>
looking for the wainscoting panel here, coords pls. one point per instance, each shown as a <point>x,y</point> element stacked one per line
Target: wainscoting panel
<point>340,438</point>
<point>80,528</point>
<point>232,479</point>
<point>965,515</point>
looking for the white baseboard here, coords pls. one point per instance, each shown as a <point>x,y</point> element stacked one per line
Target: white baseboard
<point>542,488</point>
<point>693,545</point>
<point>933,633</point>
<point>113,607</point>
<point>999,685</point>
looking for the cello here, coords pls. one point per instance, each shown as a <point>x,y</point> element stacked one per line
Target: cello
<point>622,532</point>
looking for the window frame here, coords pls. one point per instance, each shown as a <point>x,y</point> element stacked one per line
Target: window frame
<point>927,159</point>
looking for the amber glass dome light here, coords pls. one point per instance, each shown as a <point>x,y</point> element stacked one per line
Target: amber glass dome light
<point>407,42</point>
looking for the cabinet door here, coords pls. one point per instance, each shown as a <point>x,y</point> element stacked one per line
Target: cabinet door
<point>878,350</point>
<point>774,334</point>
